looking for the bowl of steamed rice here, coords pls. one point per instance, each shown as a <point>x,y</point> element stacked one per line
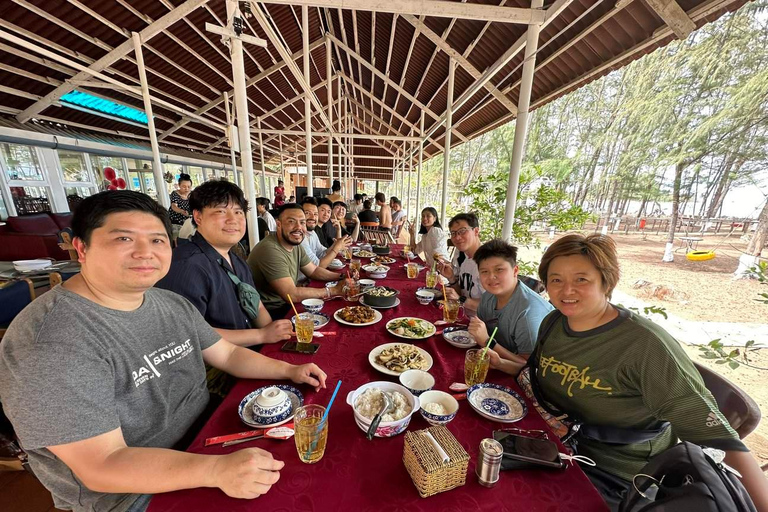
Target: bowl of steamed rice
<point>366,401</point>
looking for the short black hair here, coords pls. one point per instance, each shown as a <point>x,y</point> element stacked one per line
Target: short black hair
<point>496,248</point>
<point>367,204</point>
<point>470,218</point>
<point>184,177</point>
<point>310,200</point>
<point>433,211</point>
<point>92,212</point>
<point>215,192</point>
<point>336,185</point>
<point>262,201</point>
<point>279,181</point>
<point>380,197</point>
<point>395,200</point>
<point>288,206</point>
<point>357,197</point>
<point>324,201</point>
<point>341,203</point>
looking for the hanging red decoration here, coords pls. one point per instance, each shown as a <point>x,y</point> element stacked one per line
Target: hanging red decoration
<point>120,183</point>
<point>112,187</point>
<point>113,181</point>
<point>109,174</point>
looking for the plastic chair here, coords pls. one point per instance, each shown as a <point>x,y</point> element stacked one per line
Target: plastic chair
<point>739,408</point>
<point>55,278</point>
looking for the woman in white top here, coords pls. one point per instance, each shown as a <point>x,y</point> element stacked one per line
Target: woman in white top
<point>433,239</point>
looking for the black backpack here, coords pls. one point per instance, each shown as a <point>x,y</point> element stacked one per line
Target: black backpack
<point>687,478</point>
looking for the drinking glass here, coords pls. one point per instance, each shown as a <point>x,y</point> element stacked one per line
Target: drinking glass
<point>305,328</point>
<point>406,249</point>
<point>451,311</point>
<point>431,279</point>
<point>310,435</point>
<point>413,270</point>
<point>475,368</point>
<point>355,265</point>
<point>351,289</point>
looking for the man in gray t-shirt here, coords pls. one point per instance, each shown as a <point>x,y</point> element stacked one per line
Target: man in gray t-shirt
<point>102,375</point>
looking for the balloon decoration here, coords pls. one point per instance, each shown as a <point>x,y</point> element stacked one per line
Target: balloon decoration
<point>115,183</point>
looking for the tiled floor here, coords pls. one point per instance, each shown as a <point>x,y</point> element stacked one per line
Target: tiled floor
<point>21,492</point>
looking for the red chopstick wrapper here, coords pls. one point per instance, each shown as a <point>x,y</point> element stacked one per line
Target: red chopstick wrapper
<point>280,432</point>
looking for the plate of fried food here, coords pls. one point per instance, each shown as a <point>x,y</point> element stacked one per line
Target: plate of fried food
<point>364,254</point>
<point>357,316</point>
<point>383,260</point>
<point>395,358</point>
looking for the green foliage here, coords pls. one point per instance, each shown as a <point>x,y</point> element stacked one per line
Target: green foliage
<point>538,204</point>
<point>715,350</point>
<point>761,272</point>
<point>650,310</point>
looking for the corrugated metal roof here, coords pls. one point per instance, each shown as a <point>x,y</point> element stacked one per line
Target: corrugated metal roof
<point>190,67</point>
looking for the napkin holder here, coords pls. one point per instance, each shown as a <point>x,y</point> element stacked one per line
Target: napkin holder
<point>428,472</point>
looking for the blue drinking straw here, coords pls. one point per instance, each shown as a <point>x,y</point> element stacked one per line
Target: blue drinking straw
<point>325,415</point>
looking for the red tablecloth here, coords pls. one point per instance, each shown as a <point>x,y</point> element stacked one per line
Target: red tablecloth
<point>357,474</point>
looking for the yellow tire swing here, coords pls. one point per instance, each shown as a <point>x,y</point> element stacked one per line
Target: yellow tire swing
<point>700,255</point>
<point>707,255</point>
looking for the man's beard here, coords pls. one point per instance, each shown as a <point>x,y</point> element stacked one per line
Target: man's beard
<point>288,239</point>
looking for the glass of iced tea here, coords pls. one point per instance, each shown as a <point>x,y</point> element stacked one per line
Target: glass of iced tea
<point>311,436</point>
<point>406,249</point>
<point>475,366</point>
<point>413,270</point>
<point>451,311</point>
<point>351,290</point>
<point>305,328</point>
<point>431,279</point>
<point>354,264</point>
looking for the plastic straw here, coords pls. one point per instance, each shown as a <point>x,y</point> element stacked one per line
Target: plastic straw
<point>483,353</point>
<point>445,297</point>
<point>322,420</point>
<point>294,307</point>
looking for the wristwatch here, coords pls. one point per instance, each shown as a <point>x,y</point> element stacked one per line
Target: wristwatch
<point>492,344</point>
<point>462,299</point>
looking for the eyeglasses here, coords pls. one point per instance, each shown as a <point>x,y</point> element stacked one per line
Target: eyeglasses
<point>460,232</point>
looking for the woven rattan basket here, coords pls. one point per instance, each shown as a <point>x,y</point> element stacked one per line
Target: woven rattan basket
<point>428,472</point>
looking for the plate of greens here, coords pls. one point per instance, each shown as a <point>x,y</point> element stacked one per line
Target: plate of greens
<point>411,328</point>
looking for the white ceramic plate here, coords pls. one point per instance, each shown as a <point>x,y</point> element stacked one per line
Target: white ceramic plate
<point>245,409</point>
<point>383,369</point>
<point>429,325</point>
<point>376,319</point>
<point>496,402</point>
<point>362,301</point>
<point>336,264</point>
<point>319,319</point>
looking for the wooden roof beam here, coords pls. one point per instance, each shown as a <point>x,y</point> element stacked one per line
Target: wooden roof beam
<point>113,56</point>
<point>385,106</point>
<point>391,83</point>
<point>437,8</point>
<point>219,100</point>
<point>674,16</point>
<point>460,60</point>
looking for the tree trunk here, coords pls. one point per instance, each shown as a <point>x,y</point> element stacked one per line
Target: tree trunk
<point>668,251</point>
<point>760,237</point>
<point>718,196</point>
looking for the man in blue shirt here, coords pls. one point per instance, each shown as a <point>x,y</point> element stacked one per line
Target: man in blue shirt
<point>202,271</point>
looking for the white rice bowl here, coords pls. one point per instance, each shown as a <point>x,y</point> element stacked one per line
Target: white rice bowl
<point>372,402</point>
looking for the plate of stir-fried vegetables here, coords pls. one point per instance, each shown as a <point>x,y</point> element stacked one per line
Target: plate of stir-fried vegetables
<point>411,328</point>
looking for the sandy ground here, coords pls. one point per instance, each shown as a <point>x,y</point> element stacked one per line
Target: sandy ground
<point>701,292</point>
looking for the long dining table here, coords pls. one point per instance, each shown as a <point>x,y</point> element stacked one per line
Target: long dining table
<point>362,475</point>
